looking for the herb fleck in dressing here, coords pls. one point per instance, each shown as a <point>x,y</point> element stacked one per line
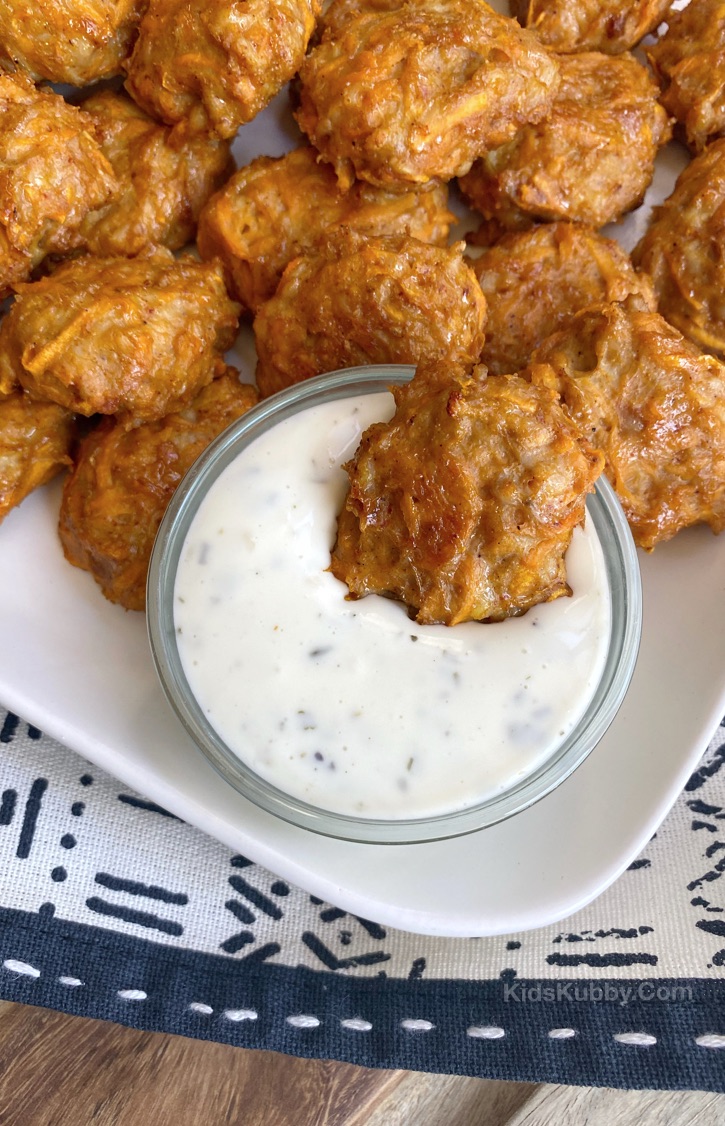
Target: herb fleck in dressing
<point>350,705</point>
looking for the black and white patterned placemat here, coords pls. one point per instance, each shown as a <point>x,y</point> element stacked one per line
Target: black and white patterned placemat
<point>111,907</point>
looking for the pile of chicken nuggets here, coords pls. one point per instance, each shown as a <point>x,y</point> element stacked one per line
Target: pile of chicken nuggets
<point>132,248</point>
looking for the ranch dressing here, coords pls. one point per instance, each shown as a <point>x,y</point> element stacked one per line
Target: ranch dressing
<point>351,705</point>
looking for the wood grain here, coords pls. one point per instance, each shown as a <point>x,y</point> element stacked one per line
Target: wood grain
<point>57,1070</point>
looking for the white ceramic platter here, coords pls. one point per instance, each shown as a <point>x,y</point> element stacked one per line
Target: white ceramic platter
<point>80,669</point>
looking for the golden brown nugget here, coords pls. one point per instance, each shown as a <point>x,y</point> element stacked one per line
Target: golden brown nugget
<point>417,94</point>
<point>75,41</point>
<point>590,162</point>
<point>277,208</point>
<point>610,26</point>
<point>218,62</point>
<point>124,478</point>
<point>654,405</point>
<point>52,173</point>
<point>683,250</point>
<point>369,301</point>
<point>689,61</point>
<point>138,336</point>
<point>463,505</point>
<point>534,281</point>
<point>35,445</point>
<point>165,177</point>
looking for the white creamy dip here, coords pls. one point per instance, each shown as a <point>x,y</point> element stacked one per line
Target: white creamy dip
<point>349,705</point>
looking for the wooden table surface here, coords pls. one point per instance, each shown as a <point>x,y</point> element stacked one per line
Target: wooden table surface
<point>57,1070</point>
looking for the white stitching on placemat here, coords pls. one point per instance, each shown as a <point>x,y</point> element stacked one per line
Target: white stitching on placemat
<point>201,1008</point>
<point>358,1024</point>
<point>240,1014</point>
<point>635,1039</point>
<point>303,1020</point>
<point>21,968</point>
<point>485,1032</point>
<point>710,1040</point>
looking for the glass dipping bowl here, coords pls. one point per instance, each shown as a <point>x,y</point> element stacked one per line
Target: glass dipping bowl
<point>626,621</point>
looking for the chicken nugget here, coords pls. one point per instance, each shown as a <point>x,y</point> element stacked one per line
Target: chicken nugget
<point>463,505</point>
<point>689,61</point>
<point>137,336</point>
<point>369,301</point>
<point>534,281</point>
<point>218,62</point>
<point>76,41</point>
<point>35,445</point>
<point>589,162</point>
<point>610,26</point>
<point>124,478</point>
<point>683,251</point>
<point>277,208</point>
<point>653,404</point>
<point>52,173</point>
<point>165,176</point>
<point>415,94</point>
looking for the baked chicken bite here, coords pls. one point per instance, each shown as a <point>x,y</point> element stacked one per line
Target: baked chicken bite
<point>76,41</point>
<point>590,161</point>
<point>610,26</point>
<point>35,445</point>
<point>654,405</point>
<point>689,61</point>
<point>369,301</point>
<point>534,281</point>
<point>415,94</point>
<point>165,177</point>
<point>683,251</point>
<point>52,173</point>
<point>134,336</point>
<point>217,62</point>
<point>276,208</point>
<point>124,478</point>
<point>463,505</point>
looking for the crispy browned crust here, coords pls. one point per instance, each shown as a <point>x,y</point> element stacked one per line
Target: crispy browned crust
<point>124,478</point>
<point>139,336</point>
<point>463,505</point>
<point>165,177</point>
<point>590,161</point>
<point>78,41</point>
<point>335,17</point>
<point>216,62</point>
<point>534,281</point>
<point>416,94</point>
<point>684,251</point>
<point>274,209</point>
<point>35,445</point>
<point>611,26</point>
<point>654,405</point>
<point>689,60</point>
<point>369,301</point>
<point>52,173</point>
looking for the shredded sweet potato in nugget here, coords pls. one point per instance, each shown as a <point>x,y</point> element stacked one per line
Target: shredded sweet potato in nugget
<point>463,505</point>
<point>124,478</point>
<point>654,405</point>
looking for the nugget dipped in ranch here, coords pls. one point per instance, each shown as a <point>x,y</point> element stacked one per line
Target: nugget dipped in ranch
<point>464,504</point>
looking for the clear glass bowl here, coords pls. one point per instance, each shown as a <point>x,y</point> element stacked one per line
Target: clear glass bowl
<point>626,619</point>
